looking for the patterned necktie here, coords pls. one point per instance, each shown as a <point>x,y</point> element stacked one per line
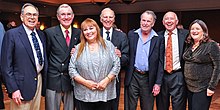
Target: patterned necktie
<point>37,48</point>
<point>169,54</point>
<point>67,38</point>
<point>108,37</point>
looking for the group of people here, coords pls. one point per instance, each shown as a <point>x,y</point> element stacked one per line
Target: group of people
<point>81,68</point>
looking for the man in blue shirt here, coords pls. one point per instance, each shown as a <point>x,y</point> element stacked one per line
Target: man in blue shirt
<point>145,71</point>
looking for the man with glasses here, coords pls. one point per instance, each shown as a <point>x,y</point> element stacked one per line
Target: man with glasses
<point>60,41</point>
<point>24,61</point>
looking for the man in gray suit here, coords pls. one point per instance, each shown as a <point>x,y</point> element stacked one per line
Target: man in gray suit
<point>60,41</point>
<point>120,41</point>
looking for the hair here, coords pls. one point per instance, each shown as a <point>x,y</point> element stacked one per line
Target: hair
<point>172,13</point>
<point>64,6</point>
<point>150,13</point>
<point>109,9</point>
<point>84,24</point>
<point>26,5</point>
<point>205,38</point>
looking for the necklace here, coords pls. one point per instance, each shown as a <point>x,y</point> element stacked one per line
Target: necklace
<point>93,47</point>
<point>195,46</point>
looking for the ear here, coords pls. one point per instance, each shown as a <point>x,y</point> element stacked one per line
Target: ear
<point>21,16</point>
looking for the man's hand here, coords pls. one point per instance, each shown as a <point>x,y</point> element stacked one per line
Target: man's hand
<point>156,90</point>
<point>72,51</point>
<point>118,52</point>
<point>16,96</point>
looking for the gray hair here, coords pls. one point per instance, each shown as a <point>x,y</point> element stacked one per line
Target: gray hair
<point>64,6</point>
<point>109,9</point>
<point>150,13</point>
<point>26,5</point>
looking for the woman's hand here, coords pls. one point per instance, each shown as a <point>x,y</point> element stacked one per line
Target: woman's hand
<point>210,92</point>
<point>91,85</point>
<point>103,84</point>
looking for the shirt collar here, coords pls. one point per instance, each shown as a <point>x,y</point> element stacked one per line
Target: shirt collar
<point>27,30</point>
<point>152,33</point>
<point>110,30</point>
<point>63,29</point>
<point>173,32</point>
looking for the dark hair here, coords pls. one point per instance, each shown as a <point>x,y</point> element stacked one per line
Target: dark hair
<point>205,31</point>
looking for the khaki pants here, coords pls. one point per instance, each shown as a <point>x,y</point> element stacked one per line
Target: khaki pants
<point>34,104</point>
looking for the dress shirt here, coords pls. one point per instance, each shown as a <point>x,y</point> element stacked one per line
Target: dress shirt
<point>143,49</point>
<point>28,31</point>
<point>105,35</point>
<point>64,33</point>
<point>175,49</point>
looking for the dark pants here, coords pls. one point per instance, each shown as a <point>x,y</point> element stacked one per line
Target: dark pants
<point>1,97</point>
<point>173,85</point>
<point>138,88</point>
<point>80,105</point>
<point>199,100</point>
<point>115,102</point>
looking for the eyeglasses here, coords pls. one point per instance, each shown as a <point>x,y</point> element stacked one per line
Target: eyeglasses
<point>31,14</point>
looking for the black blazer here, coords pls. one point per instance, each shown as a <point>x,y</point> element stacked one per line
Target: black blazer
<point>120,40</point>
<point>58,58</point>
<point>182,34</point>
<point>18,67</point>
<point>156,59</point>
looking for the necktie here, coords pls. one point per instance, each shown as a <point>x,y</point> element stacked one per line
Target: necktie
<point>108,37</point>
<point>169,54</point>
<point>67,37</point>
<point>37,48</point>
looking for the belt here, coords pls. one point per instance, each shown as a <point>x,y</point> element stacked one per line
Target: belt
<point>173,71</point>
<point>141,72</point>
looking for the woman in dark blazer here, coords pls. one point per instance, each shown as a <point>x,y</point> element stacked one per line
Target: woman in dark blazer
<point>202,66</point>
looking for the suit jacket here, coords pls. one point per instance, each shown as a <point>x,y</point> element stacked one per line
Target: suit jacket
<point>182,34</point>
<point>155,60</point>
<point>120,40</point>
<point>58,58</point>
<point>19,69</point>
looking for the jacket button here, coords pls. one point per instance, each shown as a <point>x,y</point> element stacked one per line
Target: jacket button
<point>61,73</point>
<point>62,64</point>
<point>35,79</point>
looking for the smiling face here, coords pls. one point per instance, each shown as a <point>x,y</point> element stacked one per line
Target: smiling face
<point>107,18</point>
<point>170,21</point>
<point>196,32</point>
<point>29,17</point>
<point>65,15</point>
<point>90,33</point>
<point>147,22</point>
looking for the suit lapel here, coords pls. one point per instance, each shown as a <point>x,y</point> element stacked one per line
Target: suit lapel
<point>60,38</point>
<point>114,37</point>
<point>25,41</point>
<point>152,44</point>
<point>73,38</point>
<point>136,37</point>
<point>181,40</point>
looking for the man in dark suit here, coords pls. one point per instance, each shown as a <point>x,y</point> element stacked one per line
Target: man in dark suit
<point>120,41</point>
<point>60,41</point>
<point>173,81</point>
<point>24,61</point>
<point>145,71</point>
<point>2,32</point>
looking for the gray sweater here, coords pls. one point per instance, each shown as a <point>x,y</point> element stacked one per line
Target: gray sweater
<point>202,67</point>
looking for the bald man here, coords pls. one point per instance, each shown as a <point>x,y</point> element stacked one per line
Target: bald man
<point>120,41</point>
<point>173,84</point>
